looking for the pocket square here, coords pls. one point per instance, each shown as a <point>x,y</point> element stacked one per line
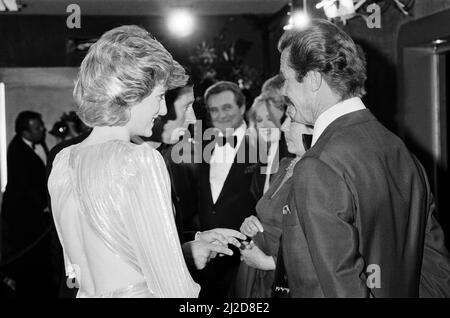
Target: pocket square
<point>286,210</point>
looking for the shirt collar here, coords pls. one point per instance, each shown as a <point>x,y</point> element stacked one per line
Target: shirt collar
<point>29,143</point>
<point>340,109</point>
<point>238,132</point>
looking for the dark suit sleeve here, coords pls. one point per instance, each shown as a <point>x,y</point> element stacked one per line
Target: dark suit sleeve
<point>324,206</point>
<point>22,176</point>
<point>435,273</point>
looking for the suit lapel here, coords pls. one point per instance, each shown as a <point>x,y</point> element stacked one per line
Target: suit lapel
<point>205,182</point>
<point>235,171</point>
<point>30,152</point>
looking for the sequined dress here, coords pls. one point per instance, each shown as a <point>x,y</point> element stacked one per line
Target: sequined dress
<point>113,213</point>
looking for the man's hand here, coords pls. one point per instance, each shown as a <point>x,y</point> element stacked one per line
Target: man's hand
<point>221,236</point>
<point>199,252</point>
<point>251,226</point>
<point>254,257</point>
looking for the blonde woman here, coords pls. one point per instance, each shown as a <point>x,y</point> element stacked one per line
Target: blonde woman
<point>265,117</point>
<point>257,270</point>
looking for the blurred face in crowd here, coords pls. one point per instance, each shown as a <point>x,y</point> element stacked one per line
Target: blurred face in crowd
<point>298,95</point>
<point>173,129</point>
<point>36,131</point>
<point>293,132</point>
<point>224,111</point>
<point>143,115</point>
<point>276,112</point>
<point>265,123</point>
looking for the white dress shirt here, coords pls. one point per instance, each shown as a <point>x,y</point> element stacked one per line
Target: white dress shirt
<point>38,150</point>
<point>221,161</point>
<point>340,109</point>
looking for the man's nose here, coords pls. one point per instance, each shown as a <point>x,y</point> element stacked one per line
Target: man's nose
<point>190,116</point>
<point>285,125</point>
<point>162,108</point>
<point>284,89</point>
<point>222,115</point>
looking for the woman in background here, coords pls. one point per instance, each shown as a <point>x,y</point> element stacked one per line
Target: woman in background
<point>256,272</point>
<point>265,118</point>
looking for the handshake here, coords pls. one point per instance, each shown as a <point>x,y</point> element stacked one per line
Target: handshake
<point>208,244</point>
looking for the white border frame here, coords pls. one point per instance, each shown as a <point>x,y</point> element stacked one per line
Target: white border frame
<point>3,145</point>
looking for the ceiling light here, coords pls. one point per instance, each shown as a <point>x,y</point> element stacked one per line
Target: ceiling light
<point>181,22</point>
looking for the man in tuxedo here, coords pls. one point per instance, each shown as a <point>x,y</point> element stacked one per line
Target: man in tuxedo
<point>224,180</point>
<point>172,138</point>
<point>360,221</point>
<point>25,223</point>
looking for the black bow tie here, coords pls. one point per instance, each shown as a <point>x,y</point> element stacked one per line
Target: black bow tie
<point>307,140</point>
<point>231,140</point>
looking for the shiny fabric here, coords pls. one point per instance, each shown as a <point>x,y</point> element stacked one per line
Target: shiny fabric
<point>139,290</point>
<point>122,192</point>
<point>252,282</point>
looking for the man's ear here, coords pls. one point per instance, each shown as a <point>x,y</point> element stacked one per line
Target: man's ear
<point>314,80</point>
<point>25,134</point>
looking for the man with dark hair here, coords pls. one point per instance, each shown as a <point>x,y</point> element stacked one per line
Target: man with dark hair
<point>172,137</point>
<point>225,199</point>
<point>25,224</point>
<point>360,220</point>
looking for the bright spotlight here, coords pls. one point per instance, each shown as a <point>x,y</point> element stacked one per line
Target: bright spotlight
<point>181,23</point>
<point>297,20</point>
<point>300,19</point>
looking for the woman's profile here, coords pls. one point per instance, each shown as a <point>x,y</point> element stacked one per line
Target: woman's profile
<point>110,198</point>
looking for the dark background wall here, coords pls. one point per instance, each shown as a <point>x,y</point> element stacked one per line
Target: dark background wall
<point>41,41</point>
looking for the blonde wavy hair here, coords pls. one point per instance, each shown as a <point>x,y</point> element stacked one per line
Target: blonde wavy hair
<point>119,71</point>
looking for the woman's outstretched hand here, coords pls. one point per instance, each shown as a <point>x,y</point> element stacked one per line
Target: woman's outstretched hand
<point>251,226</point>
<point>254,257</point>
<point>221,236</point>
<point>199,253</point>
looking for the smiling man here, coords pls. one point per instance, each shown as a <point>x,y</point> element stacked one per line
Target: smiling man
<point>225,199</point>
<point>360,200</point>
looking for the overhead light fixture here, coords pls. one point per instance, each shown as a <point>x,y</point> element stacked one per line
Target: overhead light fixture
<point>338,8</point>
<point>181,22</point>
<point>439,41</point>
<point>10,5</point>
<point>297,20</point>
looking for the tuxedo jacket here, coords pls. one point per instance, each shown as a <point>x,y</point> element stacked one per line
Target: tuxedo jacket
<point>183,178</point>
<point>24,200</point>
<point>360,219</point>
<point>235,201</point>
